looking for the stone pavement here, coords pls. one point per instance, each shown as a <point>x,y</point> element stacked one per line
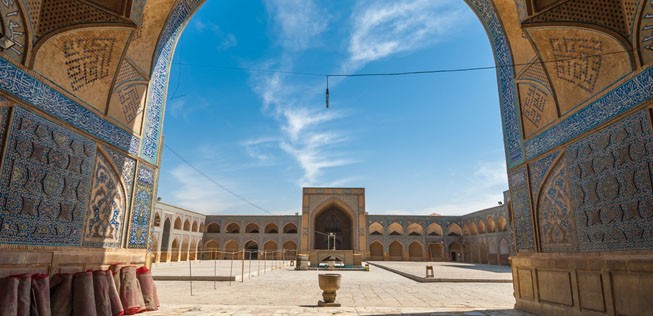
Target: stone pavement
<point>464,272</point>
<point>378,292</point>
<point>209,268</point>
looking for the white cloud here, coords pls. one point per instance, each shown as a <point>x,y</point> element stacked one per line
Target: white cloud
<point>298,22</point>
<point>229,41</point>
<point>383,28</point>
<point>484,188</point>
<point>195,192</point>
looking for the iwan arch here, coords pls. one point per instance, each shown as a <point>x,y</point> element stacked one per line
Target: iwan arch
<point>83,86</point>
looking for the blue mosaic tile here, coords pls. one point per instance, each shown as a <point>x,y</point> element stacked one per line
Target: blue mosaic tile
<point>522,212</point>
<point>142,210</point>
<point>45,183</point>
<point>505,75</point>
<point>628,95</point>
<point>538,170</point>
<point>22,85</point>
<point>611,182</point>
<point>160,75</point>
<point>127,167</point>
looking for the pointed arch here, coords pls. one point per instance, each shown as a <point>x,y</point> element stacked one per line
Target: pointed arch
<point>233,228</point>
<point>194,226</point>
<point>175,250</point>
<point>213,228</point>
<point>415,229</point>
<point>434,229</point>
<point>157,220</point>
<point>376,251</point>
<point>395,229</point>
<point>271,228</point>
<point>211,249</point>
<point>396,251</point>
<point>187,225</point>
<point>375,229</point>
<point>252,228</point>
<point>177,223</point>
<point>491,225</point>
<point>290,248</point>
<point>290,228</point>
<point>416,251</point>
<point>454,230</point>
<point>503,224</point>
<point>481,227</point>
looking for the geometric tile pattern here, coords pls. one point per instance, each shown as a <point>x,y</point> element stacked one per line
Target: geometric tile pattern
<point>505,75</point>
<point>611,174</point>
<point>142,210</point>
<point>22,85</point>
<point>521,205</point>
<point>45,183</point>
<point>159,79</point>
<point>629,94</point>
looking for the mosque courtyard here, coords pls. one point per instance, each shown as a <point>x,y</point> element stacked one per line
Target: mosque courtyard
<point>280,290</point>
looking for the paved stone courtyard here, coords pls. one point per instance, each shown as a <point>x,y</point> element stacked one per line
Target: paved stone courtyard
<point>284,291</point>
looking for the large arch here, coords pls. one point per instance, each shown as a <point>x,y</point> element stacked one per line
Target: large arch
<point>481,227</point>
<point>232,250</point>
<point>290,249</point>
<point>491,225</point>
<point>503,224</point>
<point>484,253</point>
<point>210,251</point>
<point>376,251</point>
<point>251,249</point>
<point>493,252</point>
<point>436,252</point>
<point>396,251</point>
<point>416,251</point>
<point>194,226</point>
<point>336,219</point>
<point>272,249</point>
<point>375,229</point>
<point>456,252</point>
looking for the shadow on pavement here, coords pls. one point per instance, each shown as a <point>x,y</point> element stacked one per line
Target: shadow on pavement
<point>482,267</point>
<point>490,312</point>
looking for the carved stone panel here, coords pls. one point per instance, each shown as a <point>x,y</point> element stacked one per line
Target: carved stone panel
<point>105,222</point>
<point>45,183</point>
<point>611,186</point>
<point>556,220</point>
<point>646,33</point>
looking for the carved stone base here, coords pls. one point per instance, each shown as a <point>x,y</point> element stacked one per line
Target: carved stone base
<point>324,304</point>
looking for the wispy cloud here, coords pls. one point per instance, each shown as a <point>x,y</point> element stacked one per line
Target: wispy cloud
<point>383,28</point>
<point>195,192</point>
<point>298,22</point>
<point>225,40</point>
<point>484,188</point>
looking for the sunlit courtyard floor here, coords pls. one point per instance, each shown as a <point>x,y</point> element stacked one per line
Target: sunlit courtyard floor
<point>283,291</point>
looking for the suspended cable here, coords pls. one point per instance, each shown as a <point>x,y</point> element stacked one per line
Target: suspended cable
<point>216,182</point>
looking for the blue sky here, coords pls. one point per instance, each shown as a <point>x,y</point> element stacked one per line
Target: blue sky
<point>417,144</point>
